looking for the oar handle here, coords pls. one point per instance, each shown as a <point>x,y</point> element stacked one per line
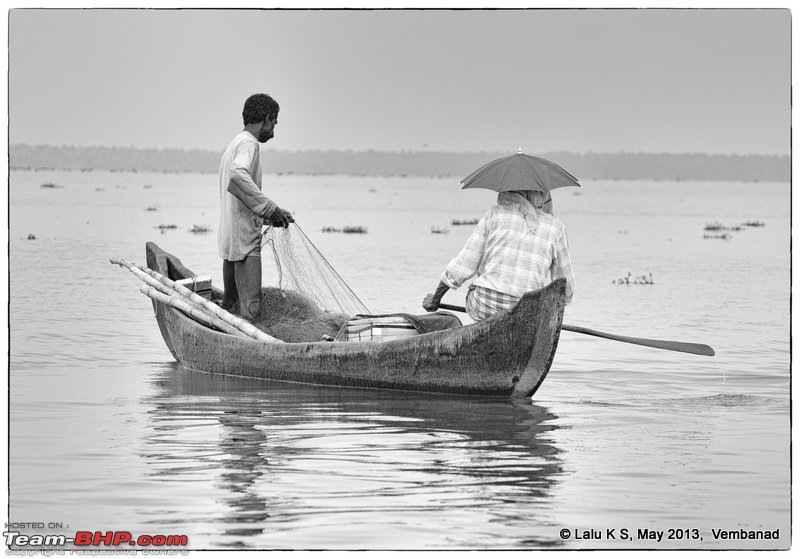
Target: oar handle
<point>452,307</point>
<point>697,349</point>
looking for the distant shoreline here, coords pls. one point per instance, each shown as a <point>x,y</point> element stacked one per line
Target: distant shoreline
<point>361,175</point>
<point>612,166</point>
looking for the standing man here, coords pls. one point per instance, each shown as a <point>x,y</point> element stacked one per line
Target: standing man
<point>244,208</point>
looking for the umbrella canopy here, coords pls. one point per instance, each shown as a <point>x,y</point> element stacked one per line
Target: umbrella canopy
<point>520,172</point>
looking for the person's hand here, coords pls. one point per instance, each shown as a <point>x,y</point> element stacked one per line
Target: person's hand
<point>429,303</point>
<point>280,218</point>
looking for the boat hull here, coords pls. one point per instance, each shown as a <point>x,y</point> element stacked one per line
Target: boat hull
<point>507,354</point>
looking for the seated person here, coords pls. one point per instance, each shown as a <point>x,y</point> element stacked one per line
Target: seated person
<point>517,246</point>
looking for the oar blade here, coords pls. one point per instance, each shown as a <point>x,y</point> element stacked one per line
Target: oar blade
<point>684,347</point>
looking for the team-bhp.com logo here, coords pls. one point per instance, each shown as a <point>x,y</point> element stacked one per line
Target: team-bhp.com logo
<point>93,539</point>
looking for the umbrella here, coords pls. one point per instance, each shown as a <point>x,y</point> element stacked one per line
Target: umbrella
<point>520,172</point>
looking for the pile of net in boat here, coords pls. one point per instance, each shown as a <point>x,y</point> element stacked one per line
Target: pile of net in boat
<point>311,300</point>
<point>292,317</point>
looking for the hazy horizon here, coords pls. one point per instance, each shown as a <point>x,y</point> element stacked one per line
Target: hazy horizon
<point>621,165</point>
<point>713,81</point>
<point>269,147</point>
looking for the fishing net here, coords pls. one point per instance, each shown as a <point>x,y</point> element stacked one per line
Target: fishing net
<point>302,268</point>
<point>311,300</point>
<point>292,317</point>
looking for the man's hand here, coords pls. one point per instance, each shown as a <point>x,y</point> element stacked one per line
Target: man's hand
<point>429,303</point>
<point>280,218</point>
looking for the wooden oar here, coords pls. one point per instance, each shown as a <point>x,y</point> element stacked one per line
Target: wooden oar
<point>685,347</point>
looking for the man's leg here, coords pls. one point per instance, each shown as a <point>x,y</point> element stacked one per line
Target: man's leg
<point>231,295</point>
<point>248,285</point>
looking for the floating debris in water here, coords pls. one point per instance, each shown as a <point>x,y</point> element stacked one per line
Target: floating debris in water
<point>719,231</point>
<point>151,209</point>
<point>464,222</point>
<point>31,237</point>
<point>200,229</point>
<point>348,229</point>
<point>638,280</point>
<point>717,226</point>
<point>52,185</point>
<point>439,230</point>
<point>147,186</point>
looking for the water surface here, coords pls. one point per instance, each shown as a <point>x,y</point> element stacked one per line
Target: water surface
<point>107,432</point>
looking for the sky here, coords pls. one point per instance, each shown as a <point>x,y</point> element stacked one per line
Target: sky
<point>598,80</point>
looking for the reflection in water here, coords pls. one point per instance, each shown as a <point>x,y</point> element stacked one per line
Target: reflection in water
<point>244,443</point>
<point>317,467</point>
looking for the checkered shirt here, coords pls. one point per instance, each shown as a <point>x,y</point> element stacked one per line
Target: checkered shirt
<point>510,259</point>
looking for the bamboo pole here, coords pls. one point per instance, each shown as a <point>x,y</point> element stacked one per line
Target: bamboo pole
<point>213,308</point>
<point>169,288</point>
<point>151,281</point>
<point>178,302</point>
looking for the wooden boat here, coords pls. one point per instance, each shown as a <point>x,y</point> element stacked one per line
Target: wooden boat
<point>507,354</point>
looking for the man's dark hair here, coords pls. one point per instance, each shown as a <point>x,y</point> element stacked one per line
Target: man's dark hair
<point>258,107</point>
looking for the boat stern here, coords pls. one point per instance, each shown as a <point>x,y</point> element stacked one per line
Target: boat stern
<point>544,309</point>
